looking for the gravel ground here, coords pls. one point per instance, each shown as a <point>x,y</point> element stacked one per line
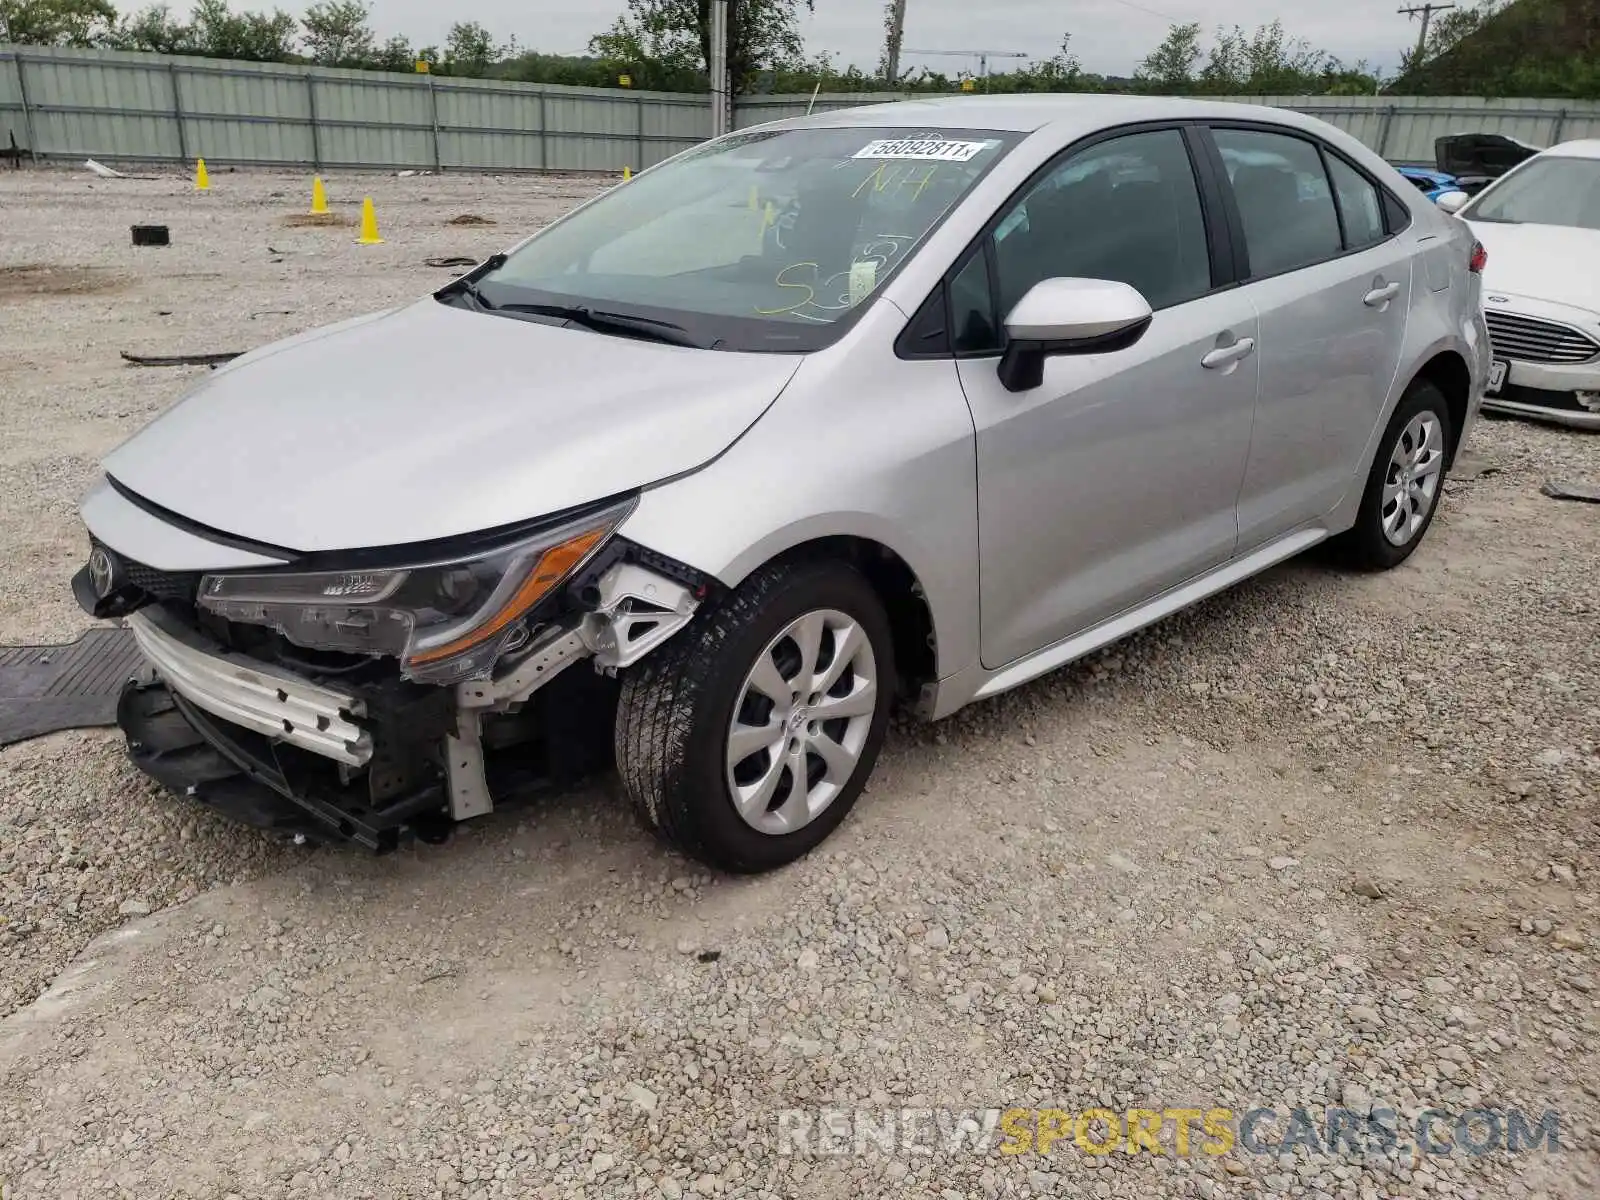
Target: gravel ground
<point>1326,840</point>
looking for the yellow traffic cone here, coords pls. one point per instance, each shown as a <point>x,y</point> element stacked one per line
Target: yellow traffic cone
<point>319,198</point>
<point>627,174</point>
<point>202,179</point>
<point>369,224</point>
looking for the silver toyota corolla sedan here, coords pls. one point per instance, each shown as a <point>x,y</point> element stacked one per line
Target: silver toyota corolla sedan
<point>913,402</point>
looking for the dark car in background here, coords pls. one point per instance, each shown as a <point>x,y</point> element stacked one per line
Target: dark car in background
<point>1477,159</point>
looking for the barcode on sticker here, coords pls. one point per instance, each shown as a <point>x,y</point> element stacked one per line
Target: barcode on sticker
<point>923,150</point>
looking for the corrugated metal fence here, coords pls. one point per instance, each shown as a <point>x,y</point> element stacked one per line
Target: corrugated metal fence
<point>74,104</point>
<point>69,104</point>
<point>1401,128</point>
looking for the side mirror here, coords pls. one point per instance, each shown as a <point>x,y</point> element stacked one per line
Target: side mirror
<point>1452,202</point>
<point>1069,316</point>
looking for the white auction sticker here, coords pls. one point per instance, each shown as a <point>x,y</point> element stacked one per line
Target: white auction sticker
<point>863,279</point>
<point>923,150</point>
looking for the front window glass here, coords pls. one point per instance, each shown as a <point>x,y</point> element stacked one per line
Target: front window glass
<point>1127,209</point>
<point>763,242</point>
<point>1551,191</point>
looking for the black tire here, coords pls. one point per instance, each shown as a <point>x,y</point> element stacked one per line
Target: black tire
<point>1365,546</point>
<point>676,709</point>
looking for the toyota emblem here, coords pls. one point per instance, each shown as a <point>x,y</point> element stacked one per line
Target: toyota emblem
<point>1498,299</point>
<point>102,572</point>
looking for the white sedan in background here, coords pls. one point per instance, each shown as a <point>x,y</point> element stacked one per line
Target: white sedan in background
<point>1541,225</point>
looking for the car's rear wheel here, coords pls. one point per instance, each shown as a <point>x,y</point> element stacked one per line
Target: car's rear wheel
<point>1406,482</point>
<point>746,739</point>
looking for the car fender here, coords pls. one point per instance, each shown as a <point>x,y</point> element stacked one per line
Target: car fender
<point>1472,347</point>
<point>861,445</point>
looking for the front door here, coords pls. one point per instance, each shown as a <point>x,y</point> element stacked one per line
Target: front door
<point>1117,478</point>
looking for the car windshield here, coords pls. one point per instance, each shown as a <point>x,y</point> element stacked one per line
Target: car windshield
<point>1548,191</point>
<point>765,241</point>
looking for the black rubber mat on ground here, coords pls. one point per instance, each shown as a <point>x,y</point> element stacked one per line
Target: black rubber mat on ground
<point>46,688</point>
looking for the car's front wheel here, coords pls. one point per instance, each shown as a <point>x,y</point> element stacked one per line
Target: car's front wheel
<point>1406,482</point>
<point>745,740</point>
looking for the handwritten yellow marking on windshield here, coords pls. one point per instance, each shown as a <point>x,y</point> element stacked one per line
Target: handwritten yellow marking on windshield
<point>810,291</point>
<point>896,175</point>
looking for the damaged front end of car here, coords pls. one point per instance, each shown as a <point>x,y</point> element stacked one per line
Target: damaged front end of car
<point>375,696</point>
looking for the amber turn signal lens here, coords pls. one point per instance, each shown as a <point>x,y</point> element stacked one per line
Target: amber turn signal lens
<point>554,565</point>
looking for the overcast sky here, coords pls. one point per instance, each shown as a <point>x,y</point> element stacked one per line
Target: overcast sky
<point>1110,36</point>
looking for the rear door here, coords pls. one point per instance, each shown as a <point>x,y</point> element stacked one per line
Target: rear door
<point>1332,286</point>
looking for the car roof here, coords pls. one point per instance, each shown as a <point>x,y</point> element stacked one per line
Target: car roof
<point>1583,148</point>
<point>1030,113</point>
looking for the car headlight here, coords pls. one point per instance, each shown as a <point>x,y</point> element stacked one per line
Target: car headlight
<point>445,621</point>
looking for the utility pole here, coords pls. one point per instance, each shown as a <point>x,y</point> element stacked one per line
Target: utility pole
<point>896,34</point>
<point>1425,11</point>
<point>721,92</point>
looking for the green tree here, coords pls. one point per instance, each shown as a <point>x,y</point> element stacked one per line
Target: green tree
<point>154,30</point>
<point>675,37</point>
<point>1449,29</point>
<point>1170,66</point>
<point>1062,72</point>
<point>252,36</point>
<point>1494,48</point>
<point>469,49</point>
<point>338,33</point>
<point>396,55</point>
<point>57,22</point>
<point>1267,62</point>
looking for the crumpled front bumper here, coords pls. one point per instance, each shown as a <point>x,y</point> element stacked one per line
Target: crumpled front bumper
<point>255,695</point>
<point>236,773</point>
<point>280,751</point>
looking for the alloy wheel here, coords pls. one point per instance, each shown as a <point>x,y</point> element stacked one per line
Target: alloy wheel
<point>1411,486</point>
<point>801,722</point>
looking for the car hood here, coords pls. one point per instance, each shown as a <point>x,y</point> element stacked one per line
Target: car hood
<point>431,421</point>
<point>1542,262</point>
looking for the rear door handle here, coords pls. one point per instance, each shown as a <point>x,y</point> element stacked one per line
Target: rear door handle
<point>1378,297</point>
<point>1226,355</point>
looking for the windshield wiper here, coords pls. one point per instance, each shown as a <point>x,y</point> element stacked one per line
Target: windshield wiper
<point>611,322</point>
<point>467,285</point>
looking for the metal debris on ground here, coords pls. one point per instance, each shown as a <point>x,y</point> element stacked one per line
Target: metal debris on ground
<point>469,219</point>
<point>1469,467</point>
<point>450,261</point>
<point>102,170</point>
<point>317,220</point>
<point>1558,489</point>
<point>152,235</point>
<point>181,360</point>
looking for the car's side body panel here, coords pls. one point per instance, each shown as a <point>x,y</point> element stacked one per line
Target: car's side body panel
<point>1328,364</point>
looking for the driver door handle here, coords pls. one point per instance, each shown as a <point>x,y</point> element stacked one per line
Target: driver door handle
<point>1380,296</point>
<point>1225,355</point>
